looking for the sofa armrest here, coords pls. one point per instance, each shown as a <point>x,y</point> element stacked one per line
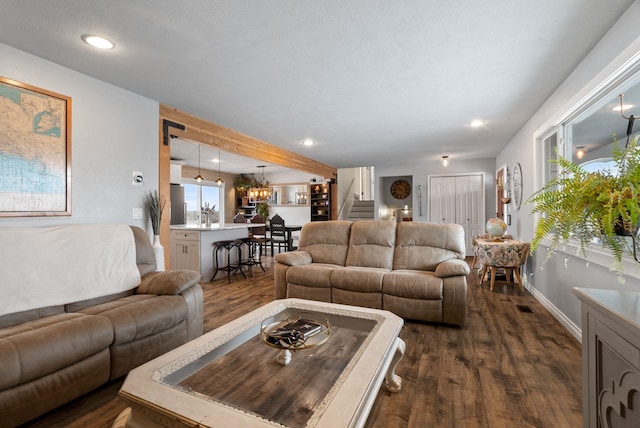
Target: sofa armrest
<point>294,258</point>
<point>453,267</point>
<point>171,282</point>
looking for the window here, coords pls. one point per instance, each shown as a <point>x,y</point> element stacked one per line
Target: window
<point>550,152</point>
<point>595,129</point>
<point>200,195</point>
<point>588,132</point>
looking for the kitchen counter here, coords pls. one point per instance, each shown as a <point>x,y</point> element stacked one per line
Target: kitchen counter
<point>192,246</point>
<point>215,227</point>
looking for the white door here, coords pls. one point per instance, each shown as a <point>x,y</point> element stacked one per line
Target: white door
<point>469,207</point>
<point>458,199</point>
<point>442,203</point>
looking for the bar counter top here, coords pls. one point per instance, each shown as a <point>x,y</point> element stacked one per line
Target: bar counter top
<point>215,227</point>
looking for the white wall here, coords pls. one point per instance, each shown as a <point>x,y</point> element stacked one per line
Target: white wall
<point>552,283</point>
<point>420,170</point>
<point>114,132</point>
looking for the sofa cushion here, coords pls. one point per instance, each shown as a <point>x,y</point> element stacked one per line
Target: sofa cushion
<point>170,283</point>
<point>415,309</point>
<point>413,284</point>
<point>37,348</point>
<point>28,400</point>
<point>452,268</point>
<point>423,246</point>
<point>372,244</point>
<point>326,241</point>
<point>359,286</point>
<point>312,275</point>
<point>78,306</point>
<point>294,258</point>
<point>141,315</point>
<point>29,315</point>
<point>360,279</point>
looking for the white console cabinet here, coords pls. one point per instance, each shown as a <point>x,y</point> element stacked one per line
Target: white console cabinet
<point>610,358</point>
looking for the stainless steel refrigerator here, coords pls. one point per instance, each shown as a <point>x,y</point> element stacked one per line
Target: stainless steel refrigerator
<point>178,205</point>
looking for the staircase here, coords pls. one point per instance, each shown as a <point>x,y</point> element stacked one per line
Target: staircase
<point>361,210</point>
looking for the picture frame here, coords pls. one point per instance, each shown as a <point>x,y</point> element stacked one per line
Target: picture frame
<point>35,151</point>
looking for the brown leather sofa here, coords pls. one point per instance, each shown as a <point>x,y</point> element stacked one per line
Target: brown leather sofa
<point>413,269</point>
<point>50,356</point>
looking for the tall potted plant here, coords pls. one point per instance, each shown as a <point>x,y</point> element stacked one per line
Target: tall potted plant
<point>584,205</point>
<point>155,206</point>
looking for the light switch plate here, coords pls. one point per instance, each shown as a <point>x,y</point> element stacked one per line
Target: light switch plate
<point>136,214</point>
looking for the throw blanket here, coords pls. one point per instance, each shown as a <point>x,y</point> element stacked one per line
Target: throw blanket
<point>50,266</point>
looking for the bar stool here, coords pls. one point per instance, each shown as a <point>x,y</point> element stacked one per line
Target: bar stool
<point>226,248</point>
<point>253,254</point>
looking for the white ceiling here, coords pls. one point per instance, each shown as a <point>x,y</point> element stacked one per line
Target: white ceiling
<point>373,82</point>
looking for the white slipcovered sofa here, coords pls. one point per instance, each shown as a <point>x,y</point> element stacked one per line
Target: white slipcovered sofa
<point>81,305</point>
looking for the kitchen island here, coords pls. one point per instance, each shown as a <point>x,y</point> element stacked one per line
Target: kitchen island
<point>192,246</point>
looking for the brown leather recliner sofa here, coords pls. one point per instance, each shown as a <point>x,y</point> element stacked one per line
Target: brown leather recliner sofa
<point>52,355</point>
<point>413,269</point>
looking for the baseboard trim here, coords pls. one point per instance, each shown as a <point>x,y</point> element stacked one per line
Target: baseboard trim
<point>557,314</point>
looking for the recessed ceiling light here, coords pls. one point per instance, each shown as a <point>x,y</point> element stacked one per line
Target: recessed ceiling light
<point>476,123</point>
<point>308,142</point>
<point>626,107</point>
<point>98,42</point>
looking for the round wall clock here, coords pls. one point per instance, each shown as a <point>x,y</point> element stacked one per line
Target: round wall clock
<point>517,186</point>
<point>400,189</point>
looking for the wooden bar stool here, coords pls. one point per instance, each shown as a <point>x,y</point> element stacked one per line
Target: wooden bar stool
<point>253,254</point>
<point>225,250</point>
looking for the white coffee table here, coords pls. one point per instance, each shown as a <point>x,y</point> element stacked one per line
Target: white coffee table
<point>230,378</point>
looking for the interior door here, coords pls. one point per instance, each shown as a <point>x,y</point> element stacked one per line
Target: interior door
<point>442,202</point>
<point>459,200</point>
<point>469,207</point>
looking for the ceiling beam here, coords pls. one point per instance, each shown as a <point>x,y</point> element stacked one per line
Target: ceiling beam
<point>235,142</point>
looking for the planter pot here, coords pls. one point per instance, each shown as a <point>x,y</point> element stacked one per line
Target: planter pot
<point>625,229</point>
<point>158,249</point>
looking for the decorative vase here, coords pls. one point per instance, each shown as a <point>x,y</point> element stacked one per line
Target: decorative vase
<point>158,249</point>
<point>496,227</point>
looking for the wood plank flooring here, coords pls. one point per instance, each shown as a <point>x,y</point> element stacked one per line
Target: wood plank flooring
<point>504,368</point>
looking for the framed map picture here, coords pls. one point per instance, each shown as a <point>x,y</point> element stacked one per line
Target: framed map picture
<point>35,151</point>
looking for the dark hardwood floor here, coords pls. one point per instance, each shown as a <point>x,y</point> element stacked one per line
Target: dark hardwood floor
<point>507,367</point>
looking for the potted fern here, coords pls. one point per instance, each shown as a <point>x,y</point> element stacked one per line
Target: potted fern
<point>584,205</point>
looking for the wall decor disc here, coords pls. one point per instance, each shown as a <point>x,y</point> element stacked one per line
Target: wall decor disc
<point>400,189</point>
<point>517,185</point>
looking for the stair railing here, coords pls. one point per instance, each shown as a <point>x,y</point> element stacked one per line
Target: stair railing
<point>346,197</point>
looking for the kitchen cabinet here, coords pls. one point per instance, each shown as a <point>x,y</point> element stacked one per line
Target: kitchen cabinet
<point>185,249</point>
<point>175,173</point>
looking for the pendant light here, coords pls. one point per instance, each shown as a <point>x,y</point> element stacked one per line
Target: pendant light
<point>198,177</point>
<point>219,180</point>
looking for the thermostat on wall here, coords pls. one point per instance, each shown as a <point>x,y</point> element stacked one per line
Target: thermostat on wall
<point>137,178</point>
